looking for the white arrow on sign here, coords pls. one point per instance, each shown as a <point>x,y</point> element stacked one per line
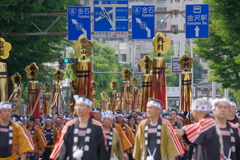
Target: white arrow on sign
<point>144,26</point>
<point>197,31</point>
<point>138,20</point>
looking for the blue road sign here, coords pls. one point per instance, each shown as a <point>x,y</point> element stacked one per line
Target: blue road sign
<point>143,22</point>
<point>79,22</point>
<point>197,18</point>
<point>175,66</point>
<point>111,19</point>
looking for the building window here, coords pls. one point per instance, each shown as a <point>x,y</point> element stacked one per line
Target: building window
<point>205,71</point>
<point>177,1</point>
<point>161,8</point>
<point>161,0</point>
<point>163,25</point>
<point>86,3</point>
<point>174,27</point>
<point>124,58</point>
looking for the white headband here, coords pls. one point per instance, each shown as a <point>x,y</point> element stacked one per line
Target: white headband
<point>9,106</point>
<point>154,103</point>
<point>83,100</point>
<point>120,115</point>
<point>201,107</point>
<point>179,117</point>
<point>233,104</point>
<point>167,116</point>
<point>95,110</point>
<point>108,112</point>
<point>107,116</point>
<point>216,100</point>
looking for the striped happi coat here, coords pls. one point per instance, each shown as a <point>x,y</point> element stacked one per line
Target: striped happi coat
<point>170,145</point>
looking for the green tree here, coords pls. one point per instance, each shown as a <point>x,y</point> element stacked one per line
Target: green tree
<point>43,50</point>
<point>222,48</point>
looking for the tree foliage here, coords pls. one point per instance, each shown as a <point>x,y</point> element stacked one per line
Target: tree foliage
<point>222,47</point>
<point>43,50</point>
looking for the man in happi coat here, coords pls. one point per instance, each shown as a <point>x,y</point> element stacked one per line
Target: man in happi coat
<point>232,114</point>
<point>51,135</point>
<point>229,131</point>
<point>38,139</point>
<point>155,139</point>
<point>114,146</point>
<point>81,138</point>
<point>13,139</point>
<point>204,134</point>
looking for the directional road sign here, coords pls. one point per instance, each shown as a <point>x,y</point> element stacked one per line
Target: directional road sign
<point>143,22</point>
<point>79,22</point>
<point>197,17</point>
<point>175,66</point>
<point>111,19</point>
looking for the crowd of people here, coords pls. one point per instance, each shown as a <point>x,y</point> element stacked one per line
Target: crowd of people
<point>209,132</point>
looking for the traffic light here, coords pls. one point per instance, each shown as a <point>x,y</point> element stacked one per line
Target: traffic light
<point>64,61</point>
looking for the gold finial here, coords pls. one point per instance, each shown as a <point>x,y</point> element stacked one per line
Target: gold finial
<point>145,63</point>
<point>16,79</point>
<point>126,74</point>
<point>5,47</point>
<point>94,85</point>
<point>113,85</point>
<point>58,75</point>
<point>46,87</point>
<point>134,81</point>
<point>73,84</point>
<point>104,95</point>
<point>32,71</point>
<point>98,105</point>
<point>83,47</point>
<point>161,43</point>
<point>186,62</point>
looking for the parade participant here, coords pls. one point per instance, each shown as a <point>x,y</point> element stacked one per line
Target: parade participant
<point>38,122</point>
<point>205,134</point>
<point>179,119</point>
<point>155,137</point>
<point>114,146</point>
<point>132,124</point>
<point>12,136</point>
<point>126,144</point>
<point>125,127</point>
<point>59,124</point>
<point>81,138</point>
<point>173,113</point>
<point>38,139</point>
<point>51,135</point>
<point>232,114</point>
<point>97,114</point>
<point>229,131</point>
<point>167,116</point>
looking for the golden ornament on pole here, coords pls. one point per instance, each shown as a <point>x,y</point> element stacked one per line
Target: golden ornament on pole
<point>93,92</point>
<point>113,96</point>
<point>161,43</point>
<point>73,92</point>
<point>34,93</point>
<point>83,47</point>
<point>17,92</point>
<point>104,101</point>
<point>58,75</point>
<point>159,87</point>
<point>83,69</point>
<point>146,65</point>
<point>125,89</point>
<point>186,63</point>
<point>135,99</point>
<point>5,48</point>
